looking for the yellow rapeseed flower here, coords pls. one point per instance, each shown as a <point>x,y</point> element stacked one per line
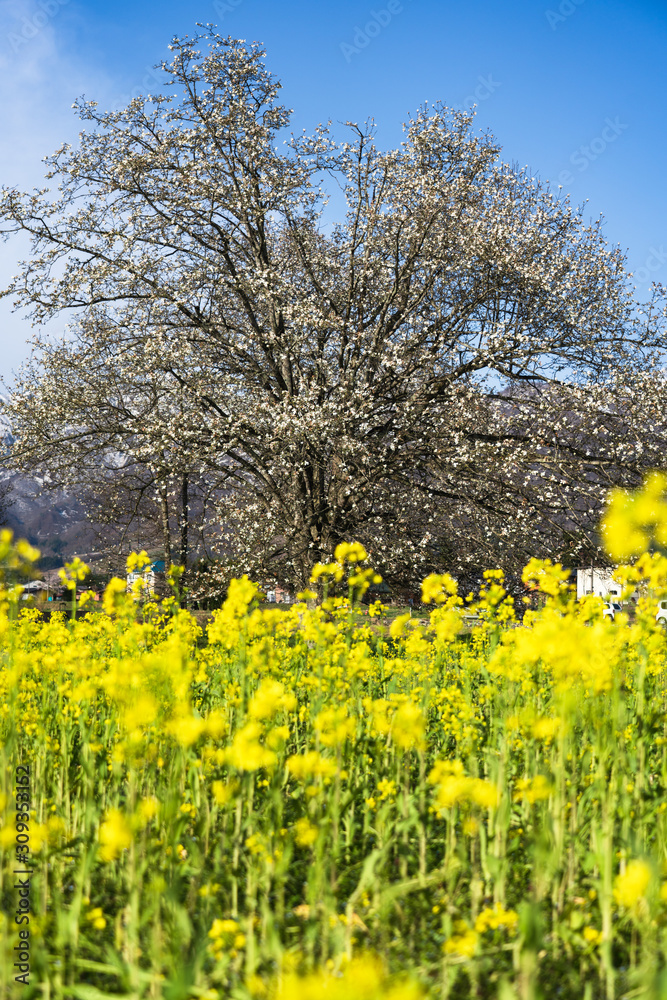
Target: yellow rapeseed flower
<point>334,570</point>
<point>630,888</point>
<point>186,728</point>
<point>463,942</point>
<point>137,561</point>
<point>592,936</point>
<point>115,595</point>
<point>334,726</point>
<point>96,918</point>
<point>533,789</point>
<point>453,787</point>
<point>311,765</point>
<point>438,588</point>
<point>491,918</point>
<point>141,711</point>
<point>270,698</point>
<point>247,753</point>
<point>397,627</point>
<point>115,835</point>
<point>305,832</point>
<point>632,520</point>
<point>408,726</point>
<point>350,552</point>
<point>363,978</point>
<point>147,810</point>
<point>73,572</point>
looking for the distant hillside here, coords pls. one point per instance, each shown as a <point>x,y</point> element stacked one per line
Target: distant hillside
<point>50,519</point>
<point>53,521</point>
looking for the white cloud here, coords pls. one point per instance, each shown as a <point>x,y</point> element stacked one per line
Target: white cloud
<point>40,76</point>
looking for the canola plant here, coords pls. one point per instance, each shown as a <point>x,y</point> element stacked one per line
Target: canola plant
<point>299,805</point>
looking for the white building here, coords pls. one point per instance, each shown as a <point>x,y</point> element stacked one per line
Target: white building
<point>597,580</point>
<point>277,594</point>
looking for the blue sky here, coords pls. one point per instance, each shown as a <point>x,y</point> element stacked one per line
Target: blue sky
<point>576,89</point>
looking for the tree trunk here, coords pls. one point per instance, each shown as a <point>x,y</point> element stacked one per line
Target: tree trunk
<point>184,524</point>
<point>166,534</point>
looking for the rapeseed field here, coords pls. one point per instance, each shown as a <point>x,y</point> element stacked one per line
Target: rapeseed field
<point>296,806</point>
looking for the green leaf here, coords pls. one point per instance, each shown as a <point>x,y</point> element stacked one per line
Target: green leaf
<point>85,992</point>
<point>109,970</point>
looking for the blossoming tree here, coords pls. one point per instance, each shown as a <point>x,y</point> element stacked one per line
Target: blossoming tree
<point>453,370</point>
